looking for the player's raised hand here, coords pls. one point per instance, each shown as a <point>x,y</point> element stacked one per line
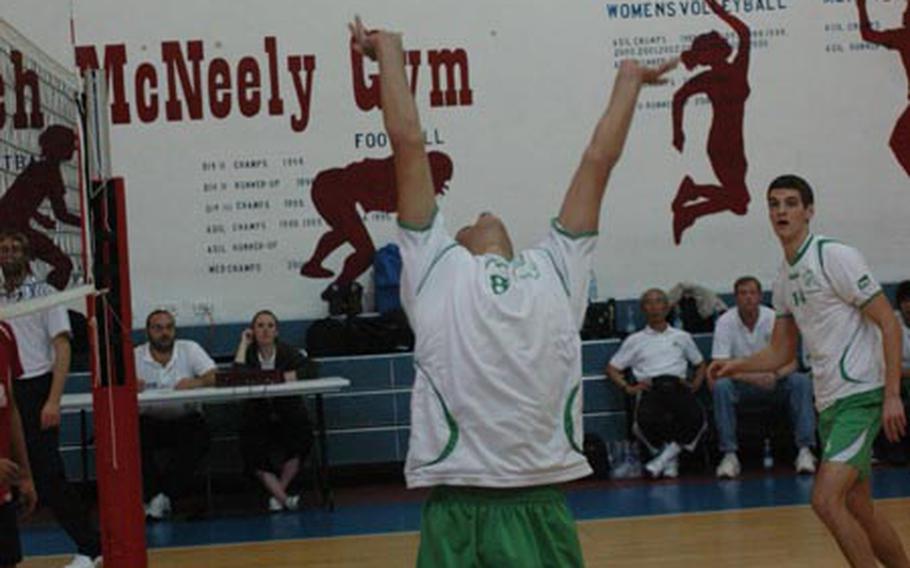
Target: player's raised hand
<point>361,39</point>
<point>648,75</point>
<point>369,42</point>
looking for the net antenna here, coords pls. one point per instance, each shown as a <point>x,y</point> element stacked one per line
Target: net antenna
<point>98,132</point>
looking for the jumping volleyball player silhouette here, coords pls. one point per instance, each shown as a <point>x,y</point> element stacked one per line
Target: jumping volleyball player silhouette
<point>42,180</point>
<point>897,39</point>
<point>336,194</point>
<point>726,84</point>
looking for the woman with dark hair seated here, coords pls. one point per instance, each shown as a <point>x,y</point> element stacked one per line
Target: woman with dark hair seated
<point>274,425</point>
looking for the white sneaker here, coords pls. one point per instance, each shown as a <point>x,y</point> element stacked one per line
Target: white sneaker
<point>729,466</point>
<point>671,470</point>
<point>805,461</point>
<point>275,505</point>
<point>83,561</point>
<point>159,507</point>
<point>656,466</point>
<point>292,503</point>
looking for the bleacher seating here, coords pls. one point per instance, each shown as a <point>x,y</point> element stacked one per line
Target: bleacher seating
<point>369,422</point>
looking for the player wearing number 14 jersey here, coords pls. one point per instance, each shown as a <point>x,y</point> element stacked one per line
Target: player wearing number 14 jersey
<point>826,292</point>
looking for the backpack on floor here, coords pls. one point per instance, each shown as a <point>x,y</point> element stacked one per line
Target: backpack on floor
<point>344,299</point>
<point>600,320</point>
<point>691,319</point>
<point>387,278</point>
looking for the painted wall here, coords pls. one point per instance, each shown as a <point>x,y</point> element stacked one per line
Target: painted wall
<point>225,114</point>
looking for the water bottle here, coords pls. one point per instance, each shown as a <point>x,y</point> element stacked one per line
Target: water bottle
<point>618,460</point>
<point>630,319</point>
<point>634,461</point>
<point>619,456</point>
<point>592,287</point>
<point>767,460</point>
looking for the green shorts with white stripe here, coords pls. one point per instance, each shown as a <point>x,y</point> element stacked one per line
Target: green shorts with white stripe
<point>849,427</point>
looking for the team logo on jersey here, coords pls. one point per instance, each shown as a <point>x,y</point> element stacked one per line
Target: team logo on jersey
<point>499,279</point>
<point>809,280</point>
<point>864,282</point>
<point>499,284</point>
<point>526,268</point>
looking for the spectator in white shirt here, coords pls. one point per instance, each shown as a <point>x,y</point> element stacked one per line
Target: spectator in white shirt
<point>741,332</point>
<point>668,418</point>
<point>177,429</point>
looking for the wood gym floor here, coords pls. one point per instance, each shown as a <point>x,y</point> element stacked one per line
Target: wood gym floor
<point>761,520</point>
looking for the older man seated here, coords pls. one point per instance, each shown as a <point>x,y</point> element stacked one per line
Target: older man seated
<point>668,418</point>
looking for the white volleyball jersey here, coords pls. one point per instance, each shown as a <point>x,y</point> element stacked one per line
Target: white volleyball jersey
<point>497,395</point>
<point>825,289</point>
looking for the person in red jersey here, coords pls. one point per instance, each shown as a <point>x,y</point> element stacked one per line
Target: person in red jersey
<point>14,468</point>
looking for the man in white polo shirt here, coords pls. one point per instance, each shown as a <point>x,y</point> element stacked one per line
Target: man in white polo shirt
<point>44,350</point>
<point>177,430</point>
<point>668,418</point>
<point>741,332</point>
<point>496,404</point>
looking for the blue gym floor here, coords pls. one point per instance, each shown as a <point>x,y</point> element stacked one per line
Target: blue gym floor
<point>392,509</point>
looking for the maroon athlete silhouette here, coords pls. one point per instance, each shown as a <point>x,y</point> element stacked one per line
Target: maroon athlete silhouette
<point>42,180</point>
<point>336,194</point>
<point>898,40</point>
<point>726,84</point>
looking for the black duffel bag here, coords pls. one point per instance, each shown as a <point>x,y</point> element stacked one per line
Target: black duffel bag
<point>388,333</point>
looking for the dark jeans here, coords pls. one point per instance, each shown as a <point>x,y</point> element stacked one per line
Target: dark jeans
<point>47,467</point>
<point>668,412</point>
<point>181,442</point>
<point>271,424</point>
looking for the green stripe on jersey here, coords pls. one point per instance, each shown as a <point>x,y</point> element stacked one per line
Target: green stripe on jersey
<point>450,422</point>
<point>870,298</point>
<point>843,358</point>
<point>802,249</point>
<point>568,422</point>
<point>567,233</point>
<point>562,279</point>
<point>433,265</point>
<point>821,257</point>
